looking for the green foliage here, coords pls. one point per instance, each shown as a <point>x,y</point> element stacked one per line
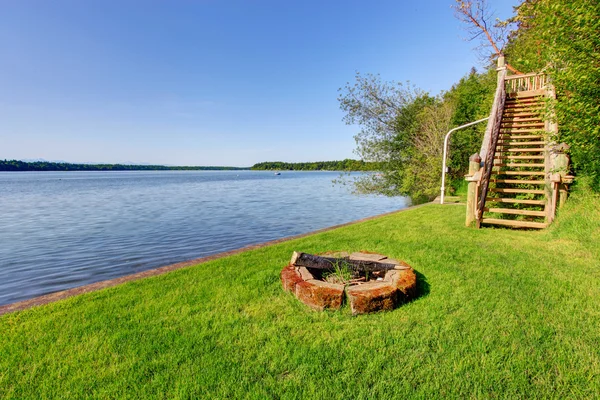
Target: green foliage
<point>403,129</point>
<point>16,165</point>
<point>343,165</point>
<point>501,314</point>
<point>340,274</point>
<point>389,116</point>
<point>561,37</point>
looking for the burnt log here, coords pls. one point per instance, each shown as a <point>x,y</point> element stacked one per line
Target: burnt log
<point>300,259</point>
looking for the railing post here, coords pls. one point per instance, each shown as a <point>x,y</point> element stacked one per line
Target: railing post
<point>473,179</point>
<point>561,165</point>
<point>551,155</point>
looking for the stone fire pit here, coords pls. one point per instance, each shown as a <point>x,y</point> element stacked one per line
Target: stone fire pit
<point>369,282</point>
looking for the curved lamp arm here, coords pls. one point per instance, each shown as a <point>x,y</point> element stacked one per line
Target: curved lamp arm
<point>446,153</point>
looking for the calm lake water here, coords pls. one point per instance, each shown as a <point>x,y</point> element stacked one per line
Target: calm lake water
<point>65,229</point>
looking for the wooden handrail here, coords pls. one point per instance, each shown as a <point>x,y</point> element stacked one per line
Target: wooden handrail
<point>512,77</point>
<point>496,120</point>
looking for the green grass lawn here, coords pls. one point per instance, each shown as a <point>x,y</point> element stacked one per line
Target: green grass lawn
<point>502,313</point>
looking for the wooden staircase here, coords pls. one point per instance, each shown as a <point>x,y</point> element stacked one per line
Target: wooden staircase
<point>520,177</point>
<point>516,196</point>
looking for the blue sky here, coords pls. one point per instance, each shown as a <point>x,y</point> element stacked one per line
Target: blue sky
<point>209,82</point>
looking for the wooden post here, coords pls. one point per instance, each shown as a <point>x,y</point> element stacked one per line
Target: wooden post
<point>473,179</point>
<point>563,190</point>
<point>561,164</point>
<point>550,156</point>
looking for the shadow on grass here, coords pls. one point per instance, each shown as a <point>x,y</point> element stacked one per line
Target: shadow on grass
<point>423,287</point>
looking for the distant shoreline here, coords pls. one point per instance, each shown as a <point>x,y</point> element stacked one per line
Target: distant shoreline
<point>346,165</point>
<point>41,166</point>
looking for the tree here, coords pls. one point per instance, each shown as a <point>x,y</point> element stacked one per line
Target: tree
<point>400,131</point>
<point>561,38</point>
<point>477,19</point>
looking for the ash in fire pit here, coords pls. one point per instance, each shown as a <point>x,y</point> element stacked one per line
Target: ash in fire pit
<point>370,282</point>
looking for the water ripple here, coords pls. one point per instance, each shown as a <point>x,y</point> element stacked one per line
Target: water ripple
<point>65,229</point>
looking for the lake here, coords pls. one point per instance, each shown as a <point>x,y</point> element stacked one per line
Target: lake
<point>60,230</point>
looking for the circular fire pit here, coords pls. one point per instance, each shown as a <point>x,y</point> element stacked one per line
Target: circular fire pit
<point>369,282</point>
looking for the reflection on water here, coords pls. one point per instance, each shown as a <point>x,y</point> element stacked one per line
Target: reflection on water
<point>66,229</point>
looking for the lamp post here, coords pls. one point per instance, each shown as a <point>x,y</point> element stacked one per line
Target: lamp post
<point>446,153</point>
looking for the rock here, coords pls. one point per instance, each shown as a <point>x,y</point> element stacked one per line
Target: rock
<point>290,278</point>
<point>407,284</point>
<point>391,276</point>
<point>367,257</point>
<point>305,274</point>
<point>405,280</point>
<point>336,254</point>
<point>320,295</point>
<point>372,297</point>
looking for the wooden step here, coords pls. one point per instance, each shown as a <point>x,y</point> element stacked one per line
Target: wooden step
<point>526,93</point>
<point>522,150</point>
<point>503,172</point>
<point>517,131</point>
<point>519,157</point>
<point>515,190</point>
<point>514,104</point>
<point>529,99</point>
<point>519,181</point>
<point>508,143</point>
<point>515,201</point>
<point>513,124</point>
<point>516,115</point>
<point>524,107</point>
<point>513,223</point>
<point>517,121</point>
<point>505,136</point>
<point>511,112</point>
<point>514,211</point>
<point>521,99</point>
<point>521,108</point>
<point>529,119</point>
<point>519,165</point>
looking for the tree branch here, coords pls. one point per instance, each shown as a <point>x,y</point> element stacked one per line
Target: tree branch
<point>477,21</point>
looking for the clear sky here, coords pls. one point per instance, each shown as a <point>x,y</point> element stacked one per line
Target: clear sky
<point>209,82</point>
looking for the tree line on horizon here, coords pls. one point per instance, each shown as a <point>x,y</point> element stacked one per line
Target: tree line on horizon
<point>17,165</point>
<point>342,165</point>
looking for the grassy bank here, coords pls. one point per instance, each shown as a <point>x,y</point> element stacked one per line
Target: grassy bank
<point>501,314</point>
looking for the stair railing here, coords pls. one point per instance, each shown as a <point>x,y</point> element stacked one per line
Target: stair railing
<point>526,82</point>
<point>490,141</point>
<point>489,159</point>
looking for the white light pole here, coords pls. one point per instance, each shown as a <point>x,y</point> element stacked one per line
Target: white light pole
<point>446,152</point>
